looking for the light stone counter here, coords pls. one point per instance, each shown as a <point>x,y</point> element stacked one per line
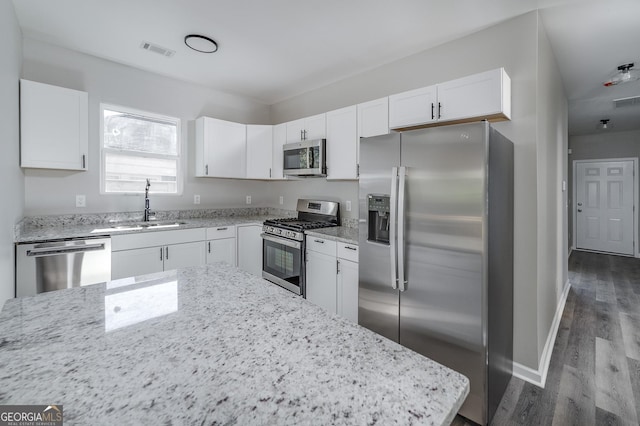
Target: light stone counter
<point>338,233</point>
<point>211,345</point>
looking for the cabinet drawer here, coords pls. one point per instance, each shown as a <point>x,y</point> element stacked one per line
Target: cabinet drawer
<point>156,238</point>
<point>321,245</point>
<point>348,251</point>
<point>227,231</point>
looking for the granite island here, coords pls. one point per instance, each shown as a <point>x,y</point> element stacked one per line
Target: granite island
<point>211,345</point>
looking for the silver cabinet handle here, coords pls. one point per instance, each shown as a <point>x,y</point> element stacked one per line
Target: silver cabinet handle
<point>319,241</point>
<point>283,241</point>
<point>161,254</point>
<point>350,248</point>
<point>206,169</point>
<point>432,114</point>
<point>84,161</point>
<point>209,244</point>
<point>222,229</point>
<point>301,137</point>
<point>439,110</point>
<point>166,252</point>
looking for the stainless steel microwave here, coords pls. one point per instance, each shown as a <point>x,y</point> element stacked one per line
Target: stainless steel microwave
<point>305,158</point>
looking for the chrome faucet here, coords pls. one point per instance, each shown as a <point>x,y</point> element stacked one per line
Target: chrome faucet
<point>147,210</point>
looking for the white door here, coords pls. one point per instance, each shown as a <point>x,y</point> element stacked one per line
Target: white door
<point>223,250</point>
<point>259,156</point>
<point>604,206</point>
<point>348,289</point>
<point>183,255</point>
<point>342,143</point>
<point>322,280</point>
<point>131,263</point>
<point>249,244</point>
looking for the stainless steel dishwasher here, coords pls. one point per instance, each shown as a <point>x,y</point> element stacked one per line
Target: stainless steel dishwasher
<point>56,265</point>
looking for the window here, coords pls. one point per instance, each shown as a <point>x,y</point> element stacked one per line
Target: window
<point>137,146</point>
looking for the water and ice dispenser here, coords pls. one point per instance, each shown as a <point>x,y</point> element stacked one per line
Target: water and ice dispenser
<point>379,220</point>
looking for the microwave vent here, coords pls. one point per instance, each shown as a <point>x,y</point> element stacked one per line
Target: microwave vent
<point>157,49</point>
<point>626,102</point>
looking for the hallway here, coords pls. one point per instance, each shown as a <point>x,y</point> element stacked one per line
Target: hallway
<point>594,375</point>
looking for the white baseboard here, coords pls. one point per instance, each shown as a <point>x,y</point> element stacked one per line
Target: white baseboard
<point>539,377</point>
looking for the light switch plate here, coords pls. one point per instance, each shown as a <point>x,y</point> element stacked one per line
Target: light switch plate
<point>196,199</point>
<point>248,199</point>
<point>281,200</point>
<point>348,205</point>
<point>81,201</point>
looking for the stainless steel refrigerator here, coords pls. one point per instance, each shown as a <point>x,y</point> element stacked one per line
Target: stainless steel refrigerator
<point>436,251</point>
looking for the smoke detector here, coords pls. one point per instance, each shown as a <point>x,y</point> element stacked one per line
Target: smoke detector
<point>625,74</point>
<point>151,47</point>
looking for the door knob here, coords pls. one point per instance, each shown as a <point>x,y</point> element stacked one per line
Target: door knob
<point>579,210</point>
<point>579,204</point>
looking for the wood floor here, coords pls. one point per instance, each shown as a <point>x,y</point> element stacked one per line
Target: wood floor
<point>594,374</point>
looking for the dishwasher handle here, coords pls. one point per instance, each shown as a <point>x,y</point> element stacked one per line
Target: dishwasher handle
<point>52,251</point>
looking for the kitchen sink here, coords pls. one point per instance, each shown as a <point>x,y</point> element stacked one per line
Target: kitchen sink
<point>135,226</point>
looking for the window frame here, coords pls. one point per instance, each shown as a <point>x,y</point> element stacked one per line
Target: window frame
<point>152,115</point>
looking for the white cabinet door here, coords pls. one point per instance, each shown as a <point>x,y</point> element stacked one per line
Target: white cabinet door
<point>347,289</point>
<point>223,250</point>
<point>322,280</point>
<point>486,94</point>
<point>259,151</point>
<point>373,118</point>
<point>413,108</point>
<point>250,249</point>
<point>295,130</point>
<point>220,148</point>
<point>342,143</point>
<point>313,127</point>
<point>279,139</point>
<point>184,255</point>
<point>53,127</point>
<point>131,263</point>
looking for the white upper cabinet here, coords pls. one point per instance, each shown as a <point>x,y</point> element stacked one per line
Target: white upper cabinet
<point>342,143</point>
<point>279,139</point>
<point>373,118</point>
<point>308,128</point>
<point>220,148</point>
<point>486,95</point>
<point>53,127</point>
<point>259,151</point>
<point>413,108</point>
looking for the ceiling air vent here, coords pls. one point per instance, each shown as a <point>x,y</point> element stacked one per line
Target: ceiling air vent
<point>157,49</point>
<point>625,102</point>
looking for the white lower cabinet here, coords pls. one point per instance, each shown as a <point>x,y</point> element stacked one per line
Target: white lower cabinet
<point>250,248</point>
<point>332,276</point>
<point>145,253</point>
<point>221,245</point>
<point>321,280</point>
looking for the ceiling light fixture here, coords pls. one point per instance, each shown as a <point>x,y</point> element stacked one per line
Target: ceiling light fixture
<point>625,74</point>
<point>200,43</point>
<point>604,124</point>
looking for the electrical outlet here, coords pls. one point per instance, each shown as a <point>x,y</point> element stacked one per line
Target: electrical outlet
<point>348,205</point>
<point>81,201</point>
<point>281,200</point>
<point>248,199</point>
<point>196,199</point>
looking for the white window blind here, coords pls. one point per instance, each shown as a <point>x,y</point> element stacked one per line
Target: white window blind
<point>137,146</point>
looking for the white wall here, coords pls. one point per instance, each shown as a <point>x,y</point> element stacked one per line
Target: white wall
<point>53,192</point>
<point>551,165</point>
<point>601,145</point>
<point>12,188</point>
<point>512,45</point>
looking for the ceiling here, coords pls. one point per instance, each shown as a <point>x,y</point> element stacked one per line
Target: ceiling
<point>273,50</point>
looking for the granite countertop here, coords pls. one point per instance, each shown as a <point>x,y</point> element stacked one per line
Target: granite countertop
<point>338,233</point>
<point>211,345</point>
<point>30,234</point>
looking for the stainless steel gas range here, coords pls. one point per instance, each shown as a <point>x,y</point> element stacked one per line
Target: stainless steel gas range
<point>283,242</point>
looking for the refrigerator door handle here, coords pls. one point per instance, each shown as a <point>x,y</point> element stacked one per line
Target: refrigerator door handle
<point>400,245</point>
<point>393,204</point>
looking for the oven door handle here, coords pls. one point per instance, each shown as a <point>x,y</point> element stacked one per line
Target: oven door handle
<point>283,241</point>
